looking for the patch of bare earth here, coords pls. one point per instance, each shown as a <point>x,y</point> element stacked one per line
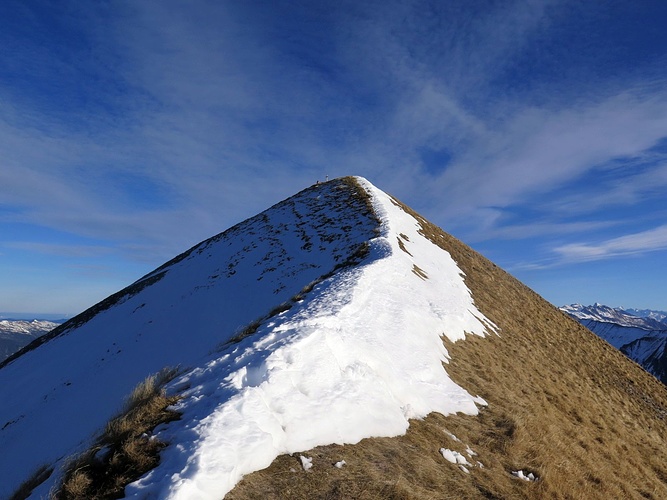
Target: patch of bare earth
<point>563,404</point>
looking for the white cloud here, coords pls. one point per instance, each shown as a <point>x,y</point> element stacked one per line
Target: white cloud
<point>539,150</point>
<point>637,243</point>
<point>638,179</point>
<point>542,229</point>
<point>78,251</point>
<point>223,110</point>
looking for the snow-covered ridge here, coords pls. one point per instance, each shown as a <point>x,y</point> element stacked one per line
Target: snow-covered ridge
<point>357,358</point>
<point>74,383</point>
<point>648,313</point>
<point>356,352</point>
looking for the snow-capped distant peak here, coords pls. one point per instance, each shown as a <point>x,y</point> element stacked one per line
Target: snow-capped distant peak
<point>16,333</point>
<point>660,316</point>
<point>617,315</point>
<point>642,336</point>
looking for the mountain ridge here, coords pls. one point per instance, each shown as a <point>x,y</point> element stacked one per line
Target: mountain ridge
<point>233,283</point>
<point>618,315</point>
<point>551,399</point>
<point>146,280</point>
<point>542,377</point>
<point>136,335</point>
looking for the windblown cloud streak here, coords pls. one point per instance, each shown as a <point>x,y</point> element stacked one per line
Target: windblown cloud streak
<point>632,244</point>
<point>539,151</point>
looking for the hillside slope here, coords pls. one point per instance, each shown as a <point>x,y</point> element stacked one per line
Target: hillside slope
<point>650,351</point>
<point>60,390</point>
<point>562,403</point>
<point>306,333</point>
<point>290,330</point>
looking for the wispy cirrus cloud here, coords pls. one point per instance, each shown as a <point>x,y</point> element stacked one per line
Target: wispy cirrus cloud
<point>539,151</point>
<point>642,242</point>
<point>632,181</point>
<point>146,127</point>
<point>77,251</point>
<point>216,95</point>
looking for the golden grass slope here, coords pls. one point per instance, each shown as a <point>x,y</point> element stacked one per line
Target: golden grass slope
<point>563,404</point>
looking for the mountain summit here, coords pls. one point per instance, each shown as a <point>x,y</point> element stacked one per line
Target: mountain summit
<point>304,339</point>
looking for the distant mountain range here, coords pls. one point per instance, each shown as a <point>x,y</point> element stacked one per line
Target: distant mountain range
<point>17,333</point>
<point>641,334</point>
<point>648,313</point>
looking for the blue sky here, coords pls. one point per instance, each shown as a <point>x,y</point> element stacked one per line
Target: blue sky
<point>535,131</point>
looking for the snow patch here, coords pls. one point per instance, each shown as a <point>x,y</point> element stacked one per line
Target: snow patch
<point>458,458</point>
<point>526,477</point>
<point>306,462</point>
<point>454,456</point>
<point>451,436</point>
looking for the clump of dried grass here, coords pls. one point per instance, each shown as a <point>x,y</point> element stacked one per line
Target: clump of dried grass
<point>401,245</point>
<point>126,450</point>
<point>419,272</point>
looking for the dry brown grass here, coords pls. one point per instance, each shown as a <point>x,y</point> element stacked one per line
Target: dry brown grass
<point>419,272</point>
<point>126,450</point>
<point>562,403</point>
<point>401,245</point>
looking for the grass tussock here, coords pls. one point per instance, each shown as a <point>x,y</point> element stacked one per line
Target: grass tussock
<point>126,450</point>
<point>419,272</point>
<point>562,404</point>
<point>401,245</point>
